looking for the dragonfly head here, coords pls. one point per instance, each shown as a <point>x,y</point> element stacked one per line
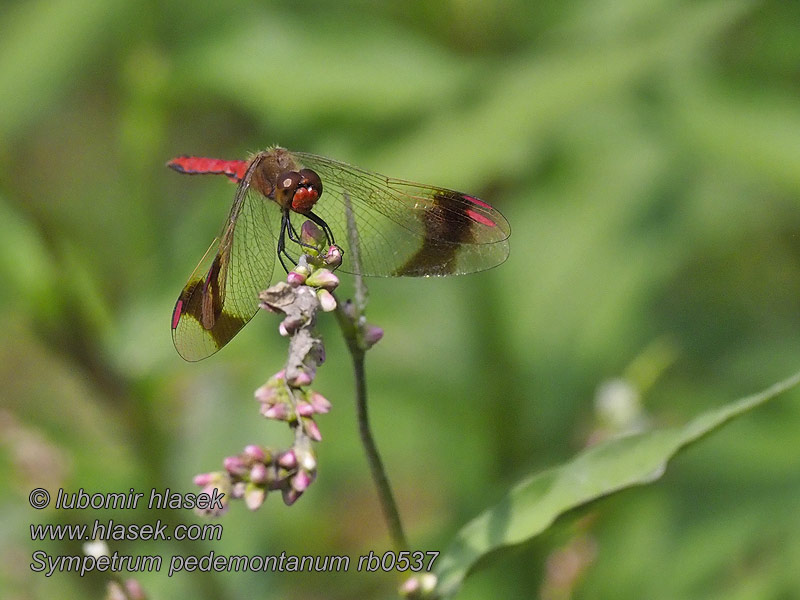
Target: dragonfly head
<point>298,191</point>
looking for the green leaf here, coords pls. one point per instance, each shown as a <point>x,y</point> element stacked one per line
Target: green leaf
<point>616,464</point>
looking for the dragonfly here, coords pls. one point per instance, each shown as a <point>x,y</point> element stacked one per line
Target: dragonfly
<point>404,229</point>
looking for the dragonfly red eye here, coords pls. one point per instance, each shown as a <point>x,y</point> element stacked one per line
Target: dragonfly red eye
<point>308,191</point>
<point>310,179</point>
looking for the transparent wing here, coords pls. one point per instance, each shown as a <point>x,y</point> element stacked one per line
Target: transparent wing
<point>221,296</point>
<point>407,228</point>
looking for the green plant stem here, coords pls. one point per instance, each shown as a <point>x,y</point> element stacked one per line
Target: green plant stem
<point>351,331</point>
<point>388,504</point>
<point>351,323</point>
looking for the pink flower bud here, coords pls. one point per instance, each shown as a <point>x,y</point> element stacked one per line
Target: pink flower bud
<point>410,587</point>
<point>135,590</point>
<point>334,257</point>
<point>254,496</point>
<point>372,335</point>
<point>288,460</point>
<point>276,412</point>
<point>323,278</point>
<point>203,479</point>
<point>258,473</point>
<point>237,491</point>
<point>300,379</point>
<point>234,465</point>
<point>255,452</point>
<point>311,234</point>
<point>295,279</point>
<point>312,430</point>
<point>419,586</point>
<point>304,409</point>
<point>320,403</point>
<point>301,481</point>
<point>326,300</point>
<point>209,490</point>
<point>266,394</point>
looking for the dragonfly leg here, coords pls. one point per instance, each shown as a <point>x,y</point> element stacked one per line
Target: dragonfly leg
<point>285,225</point>
<point>293,235</point>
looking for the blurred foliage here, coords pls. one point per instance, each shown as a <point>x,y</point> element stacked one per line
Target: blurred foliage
<point>646,155</point>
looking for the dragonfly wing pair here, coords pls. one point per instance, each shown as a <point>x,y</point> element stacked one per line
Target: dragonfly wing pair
<point>404,229</point>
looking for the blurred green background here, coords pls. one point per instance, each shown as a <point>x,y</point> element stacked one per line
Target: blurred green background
<point>647,156</point>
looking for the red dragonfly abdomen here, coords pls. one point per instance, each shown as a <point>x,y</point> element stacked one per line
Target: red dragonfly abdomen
<point>197,165</point>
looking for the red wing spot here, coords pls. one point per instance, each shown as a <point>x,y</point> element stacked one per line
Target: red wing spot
<point>176,314</point>
<point>478,202</point>
<point>304,200</point>
<point>479,218</point>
